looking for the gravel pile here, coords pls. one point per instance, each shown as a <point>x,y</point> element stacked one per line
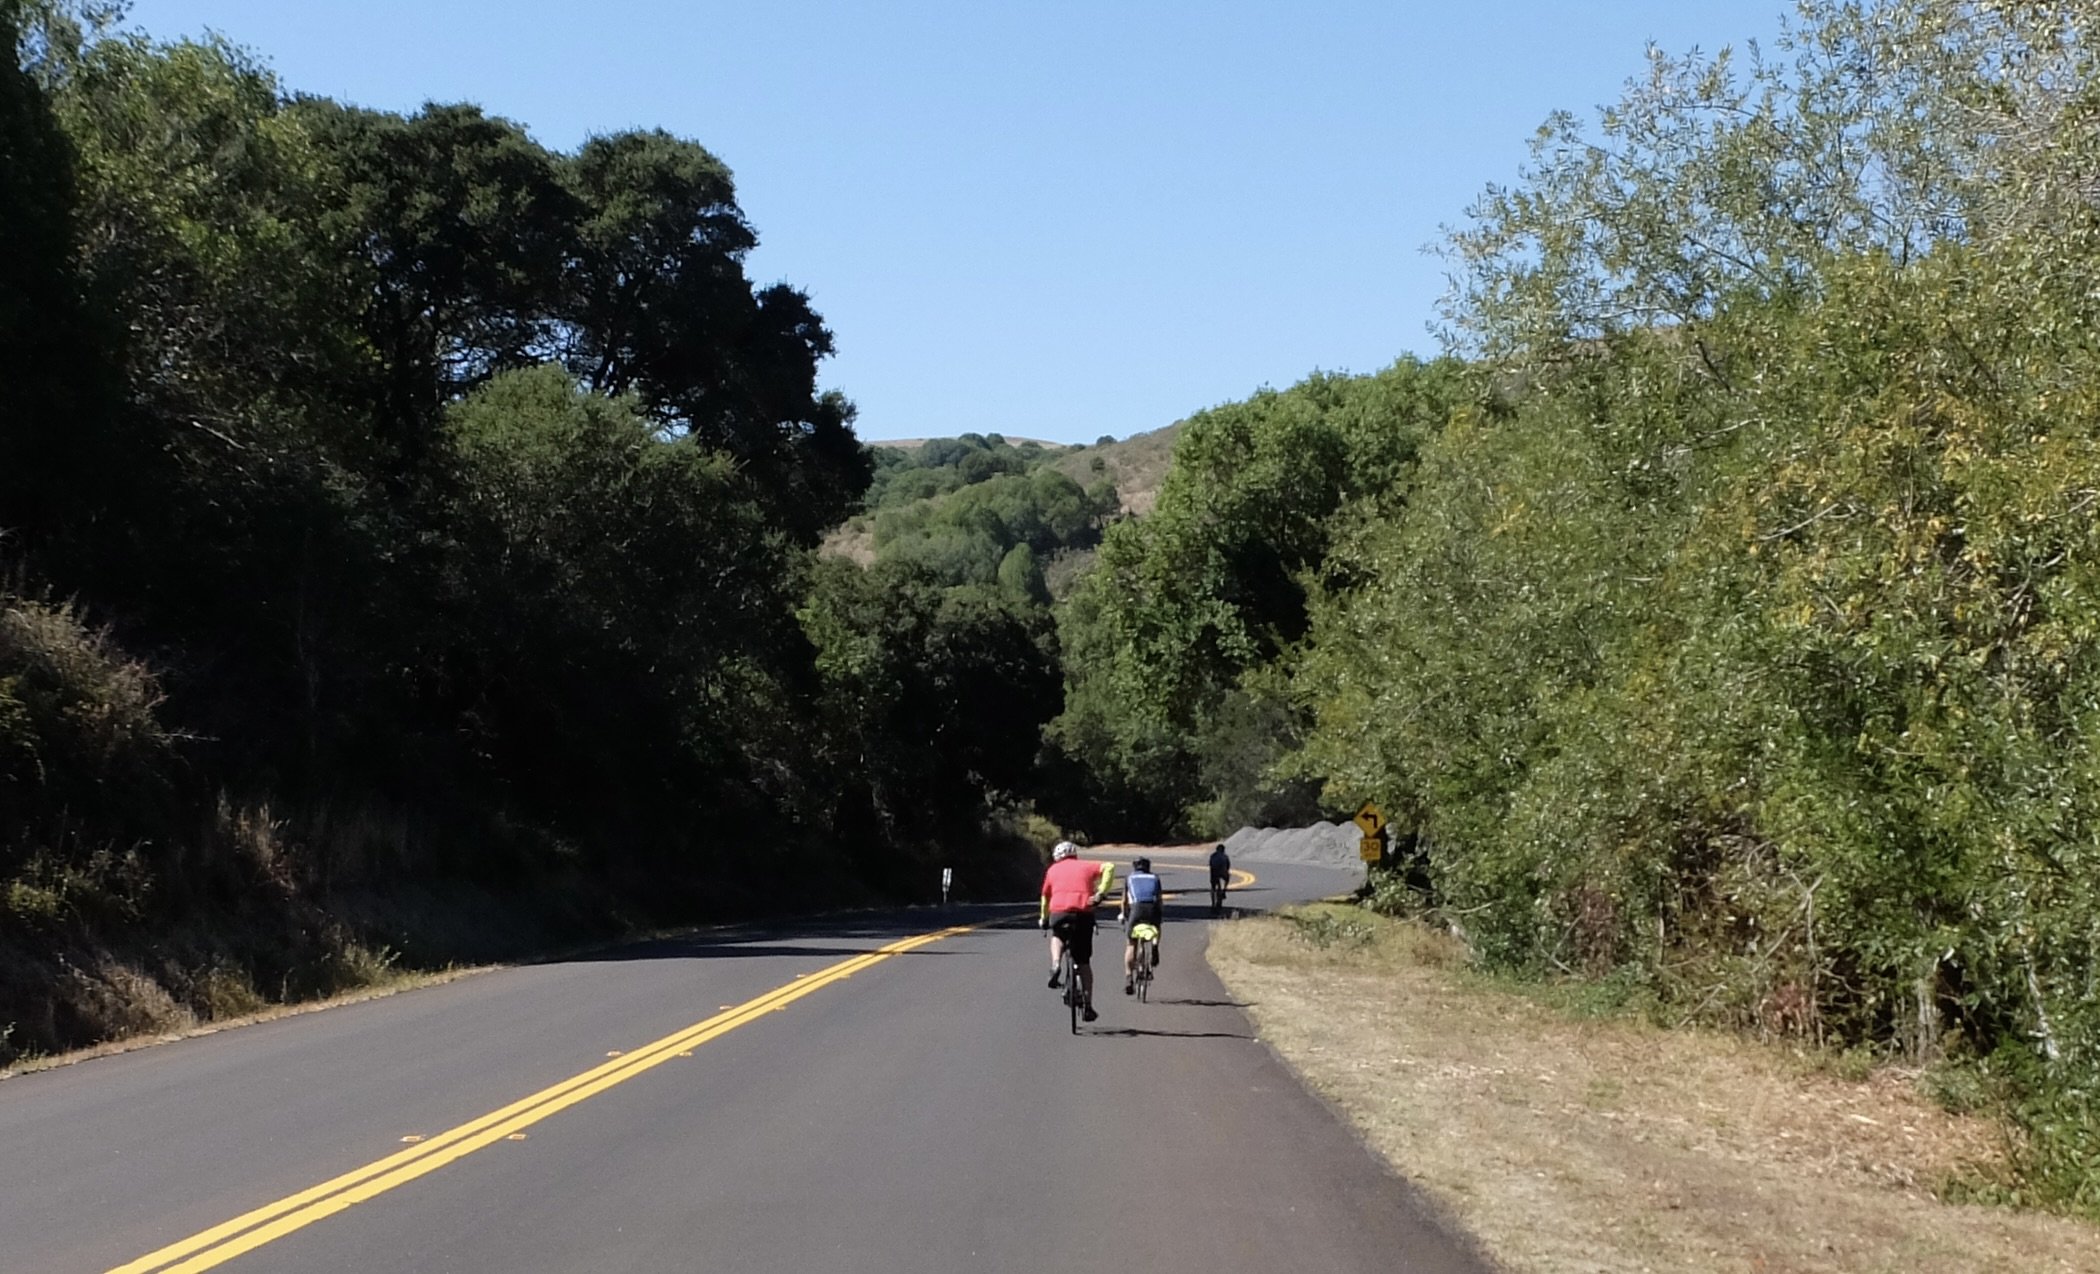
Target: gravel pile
<point>1327,844</point>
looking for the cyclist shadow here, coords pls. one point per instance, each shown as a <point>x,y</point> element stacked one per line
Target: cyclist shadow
<point>1210,1004</point>
<point>1131,1032</point>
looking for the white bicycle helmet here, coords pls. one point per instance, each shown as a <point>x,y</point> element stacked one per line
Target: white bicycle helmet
<point>1065,849</point>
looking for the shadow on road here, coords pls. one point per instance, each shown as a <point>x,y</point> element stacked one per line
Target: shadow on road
<point>865,933</point>
<point>759,948</point>
<point>1209,1004</point>
<point>1131,1032</point>
<point>837,937</point>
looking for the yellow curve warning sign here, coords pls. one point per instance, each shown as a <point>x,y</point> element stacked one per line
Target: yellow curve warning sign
<point>1371,819</point>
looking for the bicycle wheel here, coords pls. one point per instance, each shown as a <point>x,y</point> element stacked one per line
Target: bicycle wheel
<point>1144,970</point>
<point>1073,996</point>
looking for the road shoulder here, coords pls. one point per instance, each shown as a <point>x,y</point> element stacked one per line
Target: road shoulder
<point>1570,1144</point>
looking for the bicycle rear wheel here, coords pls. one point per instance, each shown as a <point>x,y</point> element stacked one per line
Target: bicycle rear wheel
<point>1144,970</point>
<point>1073,996</point>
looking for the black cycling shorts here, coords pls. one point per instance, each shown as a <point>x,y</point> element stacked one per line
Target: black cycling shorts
<point>1144,913</point>
<point>1077,930</point>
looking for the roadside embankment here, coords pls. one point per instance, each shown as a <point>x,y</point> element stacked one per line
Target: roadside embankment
<point>1570,1143</point>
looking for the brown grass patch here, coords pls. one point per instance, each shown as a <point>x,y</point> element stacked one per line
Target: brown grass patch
<point>1137,465</point>
<point>853,540</point>
<point>1572,1144</point>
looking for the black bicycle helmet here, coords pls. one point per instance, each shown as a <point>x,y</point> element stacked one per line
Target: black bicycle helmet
<point>1141,864</point>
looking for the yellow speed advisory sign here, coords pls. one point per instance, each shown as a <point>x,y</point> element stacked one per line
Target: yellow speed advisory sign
<point>1371,820</point>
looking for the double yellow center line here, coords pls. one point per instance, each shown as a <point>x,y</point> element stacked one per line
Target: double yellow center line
<point>273,1221</point>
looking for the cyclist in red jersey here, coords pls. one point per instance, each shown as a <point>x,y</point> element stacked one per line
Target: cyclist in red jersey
<point>1071,890</point>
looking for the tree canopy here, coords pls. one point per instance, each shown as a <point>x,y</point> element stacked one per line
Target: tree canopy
<point>1724,624</point>
<point>394,504</point>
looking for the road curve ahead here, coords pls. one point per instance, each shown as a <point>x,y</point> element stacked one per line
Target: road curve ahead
<point>884,1093</point>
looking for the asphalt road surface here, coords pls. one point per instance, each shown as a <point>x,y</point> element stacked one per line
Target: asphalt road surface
<point>886,1093</point>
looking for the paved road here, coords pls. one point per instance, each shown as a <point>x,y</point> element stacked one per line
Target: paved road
<point>844,1096</point>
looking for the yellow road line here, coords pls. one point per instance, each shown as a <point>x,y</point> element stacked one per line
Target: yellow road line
<point>272,1221</point>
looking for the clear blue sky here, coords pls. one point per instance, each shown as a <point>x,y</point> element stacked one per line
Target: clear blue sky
<point>1048,220</point>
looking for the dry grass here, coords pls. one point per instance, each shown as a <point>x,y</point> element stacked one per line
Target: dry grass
<point>1572,1144</point>
<point>1137,465</point>
<point>853,540</point>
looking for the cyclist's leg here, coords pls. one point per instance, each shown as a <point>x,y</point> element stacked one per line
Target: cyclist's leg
<point>1060,926</point>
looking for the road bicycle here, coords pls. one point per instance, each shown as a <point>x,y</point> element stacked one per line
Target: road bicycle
<point>1147,937</point>
<point>1217,897</point>
<point>1068,977</point>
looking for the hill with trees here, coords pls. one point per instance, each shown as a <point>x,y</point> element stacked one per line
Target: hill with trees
<point>1134,466</point>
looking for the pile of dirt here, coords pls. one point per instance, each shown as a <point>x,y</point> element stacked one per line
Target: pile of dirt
<point>1326,844</point>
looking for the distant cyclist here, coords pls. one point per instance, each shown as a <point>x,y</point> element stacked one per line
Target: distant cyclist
<point>1071,890</point>
<point>1220,877</point>
<point>1141,905</point>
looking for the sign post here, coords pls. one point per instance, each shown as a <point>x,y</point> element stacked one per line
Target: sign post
<point>1371,821</point>
<point>947,879</point>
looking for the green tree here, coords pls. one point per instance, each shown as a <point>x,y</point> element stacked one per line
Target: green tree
<point>1214,584</point>
<point>1740,640</point>
<point>659,306</point>
<point>1021,576</point>
<point>58,430</point>
<point>939,694</point>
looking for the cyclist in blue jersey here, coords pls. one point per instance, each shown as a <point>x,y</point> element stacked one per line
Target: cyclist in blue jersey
<point>1142,903</point>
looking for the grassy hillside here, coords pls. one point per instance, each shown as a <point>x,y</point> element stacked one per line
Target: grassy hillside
<point>1136,466</point>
